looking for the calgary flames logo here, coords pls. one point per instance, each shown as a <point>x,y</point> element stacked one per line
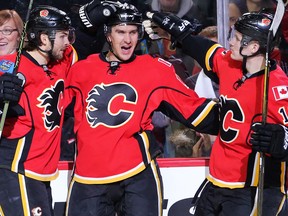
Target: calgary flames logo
<point>44,13</point>
<point>51,100</point>
<point>110,105</point>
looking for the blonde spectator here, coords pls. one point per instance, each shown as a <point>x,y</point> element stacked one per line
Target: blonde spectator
<point>210,32</point>
<point>189,143</point>
<point>11,26</point>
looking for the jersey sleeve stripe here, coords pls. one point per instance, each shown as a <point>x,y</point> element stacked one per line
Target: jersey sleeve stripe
<point>203,114</point>
<point>209,53</point>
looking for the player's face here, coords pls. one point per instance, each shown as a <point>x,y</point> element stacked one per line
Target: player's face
<point>9,37</point>
<point>235,44</point>
<point>123,40</point>
<point>61,43</point>
<point>247,50</point>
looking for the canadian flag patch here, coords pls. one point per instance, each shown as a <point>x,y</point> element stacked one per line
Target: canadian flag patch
<point>280,92</point>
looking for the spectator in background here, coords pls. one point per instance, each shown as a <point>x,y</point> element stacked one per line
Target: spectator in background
<point>244,6</point>
<point>183,9</point>
<point>236,9</point>
<point>258,5</point>
<point>189,143</point>
<point>11,27</point>
<point>183,64</point>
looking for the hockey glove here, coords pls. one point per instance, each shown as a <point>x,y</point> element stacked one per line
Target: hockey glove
<point>270,138</point>
<point>97,12</point>
<point>151,29</point>
<point>178,28</point>
<point>10,88</point>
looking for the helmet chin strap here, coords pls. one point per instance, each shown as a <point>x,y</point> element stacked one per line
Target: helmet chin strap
<point>244,69</point>
<point>239,82</point>
<point>245,57</point>
<point>49,52</point>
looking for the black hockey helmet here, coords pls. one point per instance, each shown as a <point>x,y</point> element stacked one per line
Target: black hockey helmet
<point>255,26</point>
<point>127,14</point>
<point>47,19</point>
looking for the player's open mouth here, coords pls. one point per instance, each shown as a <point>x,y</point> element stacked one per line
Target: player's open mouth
<point>126,50</point>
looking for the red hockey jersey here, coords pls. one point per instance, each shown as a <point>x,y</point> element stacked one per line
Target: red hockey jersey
<point>233,164</point>
<point>113,110</point>
<point>30,143</point>
<point>238,164</point>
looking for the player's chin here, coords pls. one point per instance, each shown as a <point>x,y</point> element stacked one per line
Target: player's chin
<point>126,56</point>
<point>59,56</point>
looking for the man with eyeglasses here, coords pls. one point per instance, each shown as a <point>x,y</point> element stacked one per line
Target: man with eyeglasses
<point>30,143</point>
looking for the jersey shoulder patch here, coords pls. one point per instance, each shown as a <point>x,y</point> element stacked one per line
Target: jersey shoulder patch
<point>280,92</point>
<point>6,66</point>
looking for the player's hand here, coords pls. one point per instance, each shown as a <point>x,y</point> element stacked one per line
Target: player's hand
<point>270,138</point>
<point>151,30</point>
<point>178,28</point>
<point>97,12</point>
<point>10,88</point>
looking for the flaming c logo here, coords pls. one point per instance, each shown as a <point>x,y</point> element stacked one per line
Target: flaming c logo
<point>51,100</point>
<point>111,105</point>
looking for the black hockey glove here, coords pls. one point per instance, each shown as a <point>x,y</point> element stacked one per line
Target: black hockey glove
<point>97,12</point>
<point>178,28</point>
<point>10,88</point>
<point>270,138</point>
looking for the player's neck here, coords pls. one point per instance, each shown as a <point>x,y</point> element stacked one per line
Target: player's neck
<point>255,64</point>
<point>111,57</point>
<point>41,57</point>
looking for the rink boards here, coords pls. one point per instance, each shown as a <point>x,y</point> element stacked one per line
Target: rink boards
<point>181,178</point>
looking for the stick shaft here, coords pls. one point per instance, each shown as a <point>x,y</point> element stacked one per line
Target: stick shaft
<point>272,32</point>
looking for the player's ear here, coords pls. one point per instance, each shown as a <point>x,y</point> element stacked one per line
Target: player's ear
<point>109,39</point>
<point>255,47</point>
<point>44,39</point>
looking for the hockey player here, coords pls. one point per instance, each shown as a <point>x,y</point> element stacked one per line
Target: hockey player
<point>233,175</point>
<point>116,94</point>
<point>30,143</point>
